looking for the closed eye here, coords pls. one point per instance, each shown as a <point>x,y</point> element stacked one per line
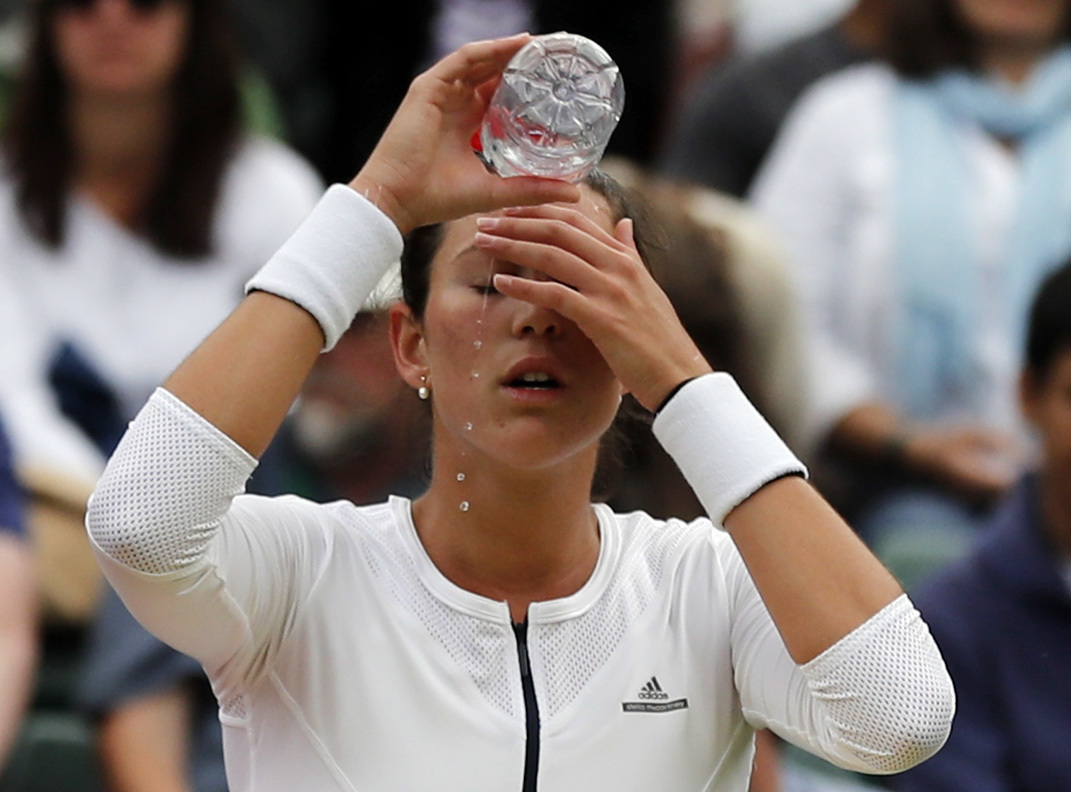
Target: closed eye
<point>486,288</point>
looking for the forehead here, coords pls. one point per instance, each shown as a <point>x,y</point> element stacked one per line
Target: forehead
<point>458,234</point>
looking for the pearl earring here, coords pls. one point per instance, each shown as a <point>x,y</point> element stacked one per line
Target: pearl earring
<point>423,392</point>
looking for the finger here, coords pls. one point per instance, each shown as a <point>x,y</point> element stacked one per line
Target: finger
<point>554,262</point>
<point>566,229</point>
<point>478,61</point>
<point>534,242</point>
<point>567,214</point>
<point>553,296</point>
<point>526,191</point>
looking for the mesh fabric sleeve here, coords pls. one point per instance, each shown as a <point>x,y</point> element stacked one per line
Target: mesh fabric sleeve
<point>878,701</point>
<point>216,574</point>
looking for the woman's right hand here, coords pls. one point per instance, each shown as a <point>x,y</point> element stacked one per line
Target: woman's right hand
<point>423,169</point>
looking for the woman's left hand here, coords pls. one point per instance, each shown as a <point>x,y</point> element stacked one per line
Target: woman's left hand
<point>598,281</point>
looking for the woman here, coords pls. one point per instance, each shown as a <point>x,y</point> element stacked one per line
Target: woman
<point>501,632</point>
<point>133,206</point>
<point>921,203</point>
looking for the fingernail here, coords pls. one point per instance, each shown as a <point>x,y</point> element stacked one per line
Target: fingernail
<point>487,223</point>
<point>482,240</point>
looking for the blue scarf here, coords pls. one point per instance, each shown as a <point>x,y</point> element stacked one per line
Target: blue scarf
<point>936,256</point>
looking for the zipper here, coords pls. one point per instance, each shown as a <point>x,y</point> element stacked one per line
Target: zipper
<point>531,709</point>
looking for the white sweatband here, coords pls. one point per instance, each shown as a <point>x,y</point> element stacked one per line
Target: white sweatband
<point>334,260</point>
<point>723,446</point>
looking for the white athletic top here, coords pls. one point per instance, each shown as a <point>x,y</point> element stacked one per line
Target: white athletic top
<point>344,660</point>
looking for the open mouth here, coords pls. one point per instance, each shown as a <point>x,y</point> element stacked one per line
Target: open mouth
<point>535,380</point>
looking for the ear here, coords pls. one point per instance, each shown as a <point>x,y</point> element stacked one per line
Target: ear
<point>407,343</point>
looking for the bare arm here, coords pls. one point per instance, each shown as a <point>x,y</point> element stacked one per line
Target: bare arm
<point>144,743</point>
<point>18,638</point>
<point>971,461</point>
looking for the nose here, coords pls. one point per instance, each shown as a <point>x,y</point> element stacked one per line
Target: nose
<point>531,319</point>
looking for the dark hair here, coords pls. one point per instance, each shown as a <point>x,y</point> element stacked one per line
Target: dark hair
<point>1049,324</point>
<point>206,109</point>
<point>928,36</point>
<point>423,243</point>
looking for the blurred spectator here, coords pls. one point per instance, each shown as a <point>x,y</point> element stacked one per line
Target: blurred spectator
<point>130,198</point>
<point>356,432</point>
<point>18,608</point>
<point>1002,616</point>
<point>729,120</point>
<point>133,195</point>
<point>339,78</point>
<point>921,204</point>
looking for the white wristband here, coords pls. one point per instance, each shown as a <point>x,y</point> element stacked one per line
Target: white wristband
<point>723,446</point>
<point>334,260</point>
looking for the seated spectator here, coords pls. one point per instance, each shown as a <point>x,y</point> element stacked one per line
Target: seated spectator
<point>921,203</point>
<point>729,120</point>
<point>134,194</point>
<point>18,608</point>
<point>1002,615</point>
<point>131,196</point>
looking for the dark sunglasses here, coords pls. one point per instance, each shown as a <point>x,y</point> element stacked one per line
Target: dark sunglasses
<point>85,5</point>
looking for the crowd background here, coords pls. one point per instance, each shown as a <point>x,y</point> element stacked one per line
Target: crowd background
<point>768,138</point>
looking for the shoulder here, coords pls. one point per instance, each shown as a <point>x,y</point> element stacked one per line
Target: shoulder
<point>266,167</point>
<point>663,545</point>
<point>267,191</point>
<point>843,95</point>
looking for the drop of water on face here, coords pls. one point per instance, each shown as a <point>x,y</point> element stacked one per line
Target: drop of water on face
<point>464,506</point>
<point>468,426</point>
<point>477,344</point>
<point>475,375</point>
<point>460,476</point>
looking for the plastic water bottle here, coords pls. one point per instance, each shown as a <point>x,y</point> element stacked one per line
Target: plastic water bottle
<point>552,115</point>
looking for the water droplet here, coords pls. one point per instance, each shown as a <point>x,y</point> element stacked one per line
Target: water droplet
<point>464,506</point>
<point>468,426</point>
<point>475,375</point>
<point>477,344</point>
<point>460,476</point>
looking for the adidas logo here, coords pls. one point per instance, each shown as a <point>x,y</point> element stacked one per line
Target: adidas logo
<point>653,699</point>
<point>652,690</point>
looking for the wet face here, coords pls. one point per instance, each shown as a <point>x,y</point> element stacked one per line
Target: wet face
<point>1022,23</point>
<point>517,383</point>
<point>1047,405</point>
<point>114,48</point>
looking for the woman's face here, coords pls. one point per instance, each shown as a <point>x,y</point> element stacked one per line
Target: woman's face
<point>1024,23</point>
<point>112,48</point>
<point>521,384</point>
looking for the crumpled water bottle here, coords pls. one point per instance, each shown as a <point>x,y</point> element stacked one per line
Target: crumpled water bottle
<point>552,114</point>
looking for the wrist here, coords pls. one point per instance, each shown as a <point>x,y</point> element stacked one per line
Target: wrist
<point>383,198</point>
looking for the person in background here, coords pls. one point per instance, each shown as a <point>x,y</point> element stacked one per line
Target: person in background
<point>1002,615</point>
<point>18,607</point>
<point>130,190</point>
<point>728,121</point>
<point>921,203</point>
<point>135,201</point>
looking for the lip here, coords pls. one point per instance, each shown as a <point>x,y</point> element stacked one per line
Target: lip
<point>529,365</point>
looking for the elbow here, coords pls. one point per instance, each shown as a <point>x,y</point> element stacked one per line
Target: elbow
<point>906,731</point>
